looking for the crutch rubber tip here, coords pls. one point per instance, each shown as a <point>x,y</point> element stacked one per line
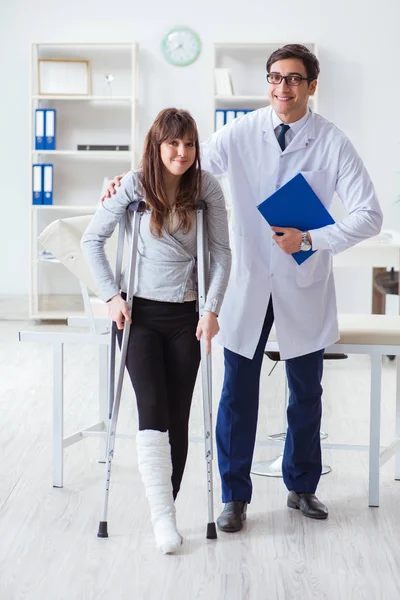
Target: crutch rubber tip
<point>211,531</point>
<point>102,533</point>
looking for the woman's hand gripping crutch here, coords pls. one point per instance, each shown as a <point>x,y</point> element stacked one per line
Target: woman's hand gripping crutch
<point>205,328</point>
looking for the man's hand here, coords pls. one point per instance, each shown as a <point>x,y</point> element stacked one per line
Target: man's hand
<point>112,185</point>
<point>207,327</point>
<point>288,240</point>
<point>119,311</point>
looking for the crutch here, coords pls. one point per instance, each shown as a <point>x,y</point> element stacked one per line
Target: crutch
<point>113,332</point>
<point>114,399</point>
<point>206,387</point>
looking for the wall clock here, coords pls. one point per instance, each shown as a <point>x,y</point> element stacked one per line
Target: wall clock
<point>181,46</point>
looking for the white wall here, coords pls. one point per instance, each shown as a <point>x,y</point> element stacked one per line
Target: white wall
<point>359,86</point>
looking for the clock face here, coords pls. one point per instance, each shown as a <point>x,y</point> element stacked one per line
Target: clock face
<point>181,46</point>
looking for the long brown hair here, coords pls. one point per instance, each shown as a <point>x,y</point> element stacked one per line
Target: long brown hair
<point>170,123</point>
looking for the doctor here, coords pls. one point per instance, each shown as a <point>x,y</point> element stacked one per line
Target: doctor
<point>259,153</point>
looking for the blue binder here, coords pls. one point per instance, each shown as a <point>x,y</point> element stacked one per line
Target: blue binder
<point>37,184</point>
<point>47,184</point>
<point>50,129</point>
<point>39,129</point>
<point>219,119</point>
<point>296,205</point>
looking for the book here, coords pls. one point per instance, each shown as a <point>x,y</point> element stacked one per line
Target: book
<point>223,82</point>
<point>295,204</point>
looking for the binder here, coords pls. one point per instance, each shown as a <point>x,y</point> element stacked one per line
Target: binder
<point>296,205</point>
<point>219,119</point>
<point>50,129</point>
<point>37,184</point>
<point>229,116</point>
<point>47,184</point>
<point>39,129</point>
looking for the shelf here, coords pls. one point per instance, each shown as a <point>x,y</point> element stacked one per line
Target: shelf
<point>87,98</point>
<point>124,154</point>
<point>238,102</point>
<point>53,261</point>
<point>108,45</point>
<point>235,99</point>
<point>254,45</point>
<point>71,207</point>
<point>57,315</point>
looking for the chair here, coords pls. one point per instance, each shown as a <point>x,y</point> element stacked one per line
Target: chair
<point>62,238</point>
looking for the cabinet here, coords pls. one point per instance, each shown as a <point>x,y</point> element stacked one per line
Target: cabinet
<point>104,116</point>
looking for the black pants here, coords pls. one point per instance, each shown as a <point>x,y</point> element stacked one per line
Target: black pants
<point>162,361</point>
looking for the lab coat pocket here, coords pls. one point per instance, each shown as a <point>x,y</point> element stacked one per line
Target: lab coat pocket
<point>243,252</point>
<point>316,268</point>
<point>317,180</point>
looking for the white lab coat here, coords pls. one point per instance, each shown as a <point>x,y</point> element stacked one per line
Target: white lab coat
<point>303,295</point>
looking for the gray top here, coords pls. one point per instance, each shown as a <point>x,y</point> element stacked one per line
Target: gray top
<point>166,266</point>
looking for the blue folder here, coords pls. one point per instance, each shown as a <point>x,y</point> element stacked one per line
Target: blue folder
<point>48,182</point>
<point>39,128</point>
<point>50,129</point>
<point>296,205</point>
<point>37,184</point>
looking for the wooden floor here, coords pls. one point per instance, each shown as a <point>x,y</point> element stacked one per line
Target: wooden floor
<point>49,549</point>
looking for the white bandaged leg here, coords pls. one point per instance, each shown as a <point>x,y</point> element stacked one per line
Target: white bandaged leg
<point>154,461</point>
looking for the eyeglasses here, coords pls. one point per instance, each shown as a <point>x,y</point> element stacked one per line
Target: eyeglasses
<point>276,78</point>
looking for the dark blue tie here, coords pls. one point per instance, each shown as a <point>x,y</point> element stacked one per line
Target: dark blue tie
<point>281,136</point>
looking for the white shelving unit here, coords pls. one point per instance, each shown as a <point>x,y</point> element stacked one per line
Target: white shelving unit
<point>108,116</point>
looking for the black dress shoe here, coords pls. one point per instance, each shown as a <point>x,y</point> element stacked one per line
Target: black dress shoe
<point>309,505</point>
<point>232,517</point>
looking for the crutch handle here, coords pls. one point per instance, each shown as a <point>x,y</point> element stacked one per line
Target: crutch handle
<point>201,205</point>
<point>137,206</point>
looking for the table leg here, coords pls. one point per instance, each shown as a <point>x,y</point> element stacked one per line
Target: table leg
<point>375,429</point>
<point>58,414</point>
<point>397,455</point>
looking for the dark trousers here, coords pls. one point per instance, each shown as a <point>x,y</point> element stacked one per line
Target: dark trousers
<point>162,361</point>
<point>238,412</point>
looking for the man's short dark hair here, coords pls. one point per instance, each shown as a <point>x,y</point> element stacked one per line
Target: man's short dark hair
<point>309,59</point>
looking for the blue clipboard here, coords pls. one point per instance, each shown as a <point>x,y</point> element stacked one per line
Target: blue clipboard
<point>296,205</point>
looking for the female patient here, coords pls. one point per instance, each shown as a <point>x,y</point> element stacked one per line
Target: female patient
<point>163,351</point>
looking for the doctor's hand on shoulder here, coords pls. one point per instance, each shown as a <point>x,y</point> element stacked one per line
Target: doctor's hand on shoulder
<point>116,182</point>
<point>207,328</point>
<point>119,311</point>
<point>288,238</point>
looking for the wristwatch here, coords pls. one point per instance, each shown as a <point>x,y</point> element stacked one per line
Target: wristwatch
<point>305,244</point>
